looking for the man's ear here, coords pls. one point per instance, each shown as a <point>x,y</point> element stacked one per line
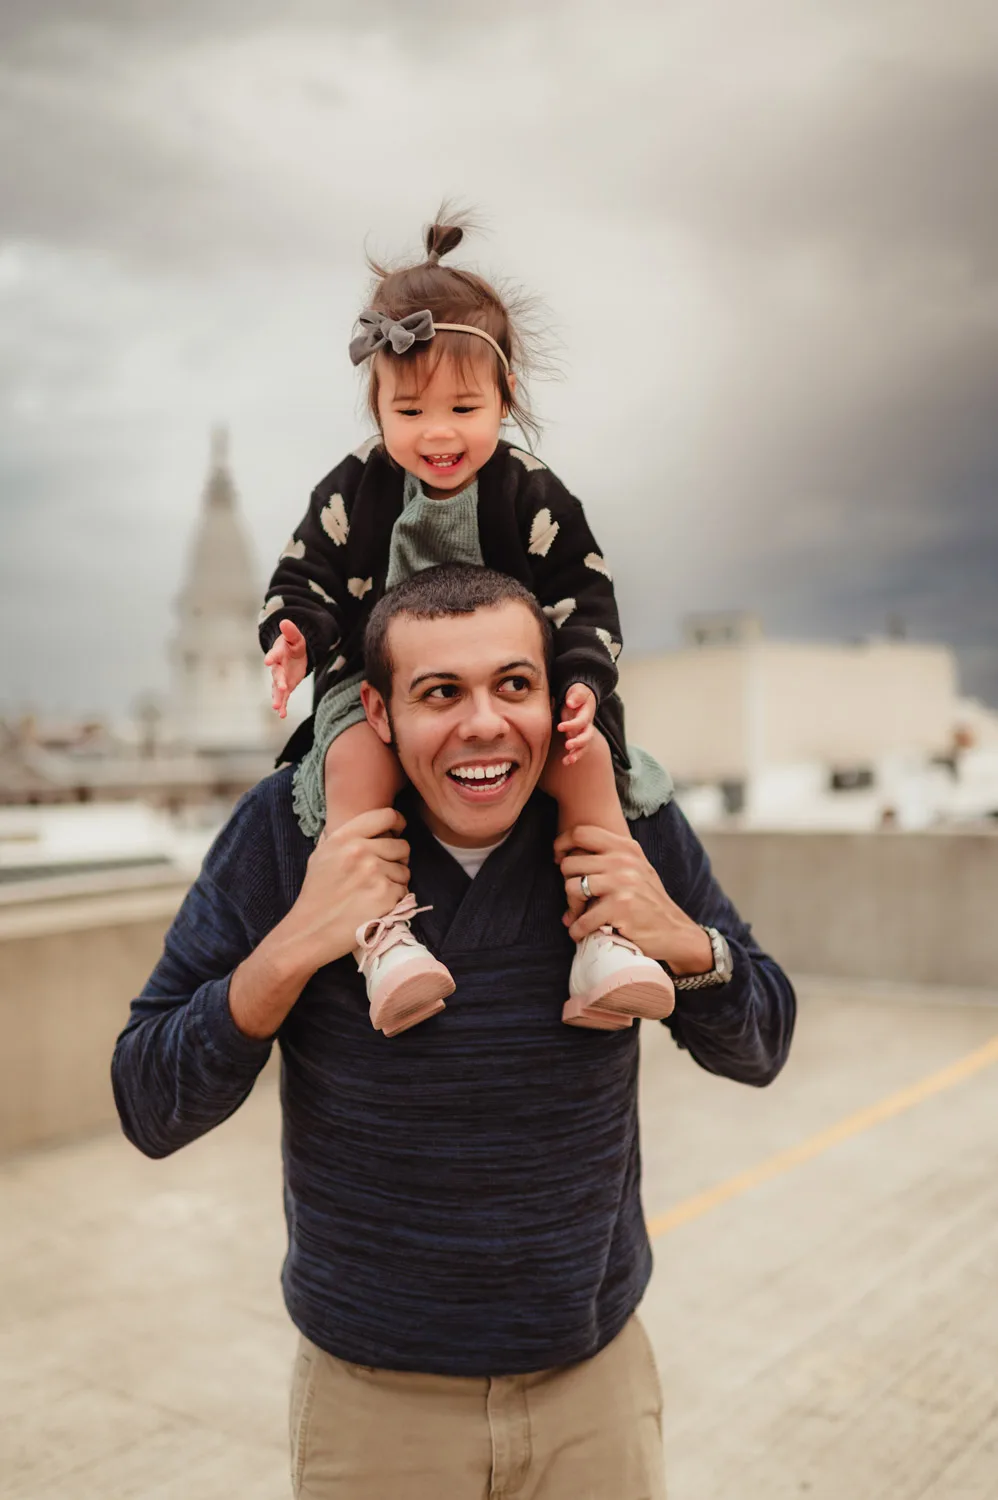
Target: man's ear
<point>377,712</point>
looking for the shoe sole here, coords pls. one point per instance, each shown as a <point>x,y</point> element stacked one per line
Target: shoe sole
<point>629,993</point>
<point>594,1019</point>
<point>417,994</point>
<point>414,1017</point>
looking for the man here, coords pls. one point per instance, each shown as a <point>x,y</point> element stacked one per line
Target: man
<point>466,1241</point>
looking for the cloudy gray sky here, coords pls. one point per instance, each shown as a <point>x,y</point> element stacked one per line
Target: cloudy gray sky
<point>766,237</point>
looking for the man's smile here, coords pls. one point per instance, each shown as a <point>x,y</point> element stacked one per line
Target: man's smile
<point>480,781</point>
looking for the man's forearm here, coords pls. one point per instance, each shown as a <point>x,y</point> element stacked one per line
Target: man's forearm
<point>266,984</point>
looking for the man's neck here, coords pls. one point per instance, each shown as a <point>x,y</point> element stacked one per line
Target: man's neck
<point>455,839</point>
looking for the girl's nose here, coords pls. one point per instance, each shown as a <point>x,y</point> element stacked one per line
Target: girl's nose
<point>438,429</point>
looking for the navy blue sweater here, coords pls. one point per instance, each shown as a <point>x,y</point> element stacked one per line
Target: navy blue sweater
<point>462,1199</point>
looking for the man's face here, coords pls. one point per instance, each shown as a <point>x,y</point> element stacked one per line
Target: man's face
<point>471,715</point>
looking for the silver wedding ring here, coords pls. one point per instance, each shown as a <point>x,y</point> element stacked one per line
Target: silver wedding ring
<point>584,888</point>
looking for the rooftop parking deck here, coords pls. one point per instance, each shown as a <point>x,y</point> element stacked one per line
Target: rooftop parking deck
<point>823,1304</point>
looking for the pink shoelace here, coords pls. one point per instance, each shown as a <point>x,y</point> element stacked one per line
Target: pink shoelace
<point>376,937</point>
<point>605,934</point>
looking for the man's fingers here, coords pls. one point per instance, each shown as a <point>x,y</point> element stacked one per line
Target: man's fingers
<point>393,849</point>
<point>371,825</point>
<point>591,920</point>
<point>577,902</point>
<point>596,840</point>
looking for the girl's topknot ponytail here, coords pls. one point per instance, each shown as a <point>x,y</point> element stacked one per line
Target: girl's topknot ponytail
<point>441,239</point>
<point>453,295</point>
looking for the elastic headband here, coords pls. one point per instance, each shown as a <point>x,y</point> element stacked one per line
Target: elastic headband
<point>378,332</point>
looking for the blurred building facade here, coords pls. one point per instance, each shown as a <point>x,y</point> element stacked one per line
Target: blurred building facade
<point>783,733</point>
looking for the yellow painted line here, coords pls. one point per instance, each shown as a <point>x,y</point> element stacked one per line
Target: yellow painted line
<point>815,1145</point>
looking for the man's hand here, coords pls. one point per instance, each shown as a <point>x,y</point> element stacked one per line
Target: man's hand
<point>288,663</point>
<point>577,725</point>
<point>354,875</point>
<point>628,896</point>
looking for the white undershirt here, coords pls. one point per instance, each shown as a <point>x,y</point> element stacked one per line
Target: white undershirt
<point>472,860</point>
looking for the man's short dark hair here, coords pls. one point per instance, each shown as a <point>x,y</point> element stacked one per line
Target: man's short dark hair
<point>448,589</point>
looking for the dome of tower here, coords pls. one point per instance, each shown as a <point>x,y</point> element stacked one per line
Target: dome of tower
<point>219,698</point>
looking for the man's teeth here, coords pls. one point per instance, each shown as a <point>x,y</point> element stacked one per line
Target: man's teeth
<point>482,773</point>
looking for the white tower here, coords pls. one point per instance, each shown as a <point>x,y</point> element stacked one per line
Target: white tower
<point>219,699</point>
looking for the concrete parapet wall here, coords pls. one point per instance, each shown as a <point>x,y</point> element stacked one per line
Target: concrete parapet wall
<point>70,965</point>
<point>910,907</point>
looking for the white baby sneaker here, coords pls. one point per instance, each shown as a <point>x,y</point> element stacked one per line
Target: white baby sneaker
<point>612,981</point>
<point>405,983</point>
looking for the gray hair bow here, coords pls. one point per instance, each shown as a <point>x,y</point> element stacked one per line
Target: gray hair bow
<point>377,331</point>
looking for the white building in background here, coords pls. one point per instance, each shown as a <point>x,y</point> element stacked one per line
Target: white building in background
<point>219,700</point>
<point>154,793</point>
<point>791,734</point>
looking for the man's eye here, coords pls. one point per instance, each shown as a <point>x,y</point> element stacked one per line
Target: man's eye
<point>516,684</point>
<point>442,692</point>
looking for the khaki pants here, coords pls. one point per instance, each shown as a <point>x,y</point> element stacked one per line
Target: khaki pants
<point>591,1431</point>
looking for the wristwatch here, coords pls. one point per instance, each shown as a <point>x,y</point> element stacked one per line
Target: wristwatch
<point>719,974</point>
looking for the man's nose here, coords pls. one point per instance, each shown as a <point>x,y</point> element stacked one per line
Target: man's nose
<point>483,719</point>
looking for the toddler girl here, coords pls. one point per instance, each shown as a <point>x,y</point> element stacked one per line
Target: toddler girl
<point>438,485</point>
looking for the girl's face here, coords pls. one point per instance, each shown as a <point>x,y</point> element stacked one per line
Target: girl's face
<point>444,432</point>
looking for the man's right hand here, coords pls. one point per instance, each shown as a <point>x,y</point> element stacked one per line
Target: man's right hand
<point>288,663</point>
<point>354,876</point>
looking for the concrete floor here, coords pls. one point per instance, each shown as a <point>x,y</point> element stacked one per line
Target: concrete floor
<point>831,1333</point>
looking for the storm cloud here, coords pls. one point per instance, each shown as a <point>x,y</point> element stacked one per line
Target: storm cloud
<point>765,236</point>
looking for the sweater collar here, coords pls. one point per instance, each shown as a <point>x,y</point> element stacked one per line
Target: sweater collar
<point>488,911</point>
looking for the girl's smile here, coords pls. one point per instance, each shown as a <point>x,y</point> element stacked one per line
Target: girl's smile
<point>444,426</point>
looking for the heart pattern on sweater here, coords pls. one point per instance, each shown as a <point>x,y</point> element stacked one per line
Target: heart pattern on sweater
<point>334,520</point>
<point>542,533</point>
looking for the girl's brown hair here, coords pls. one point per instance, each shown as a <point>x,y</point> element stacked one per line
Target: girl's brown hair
<point>456,296</point>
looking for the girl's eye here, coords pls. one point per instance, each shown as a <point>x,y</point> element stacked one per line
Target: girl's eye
<point>463,411</point>
<point>409,411</point>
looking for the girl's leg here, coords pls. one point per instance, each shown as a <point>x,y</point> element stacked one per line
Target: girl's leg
<point>585,792</point>
<point>405,983</point>
<point>611,981</point>
<point>361,773</point>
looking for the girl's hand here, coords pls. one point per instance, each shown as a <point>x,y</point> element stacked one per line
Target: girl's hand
<point>577,725</point>
<point>288,663</point>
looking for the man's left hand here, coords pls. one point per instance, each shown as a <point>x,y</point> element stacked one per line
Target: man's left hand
<point>628,896</point>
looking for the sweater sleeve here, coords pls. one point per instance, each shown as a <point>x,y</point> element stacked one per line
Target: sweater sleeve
<point>309,586</point>
<point>181,1065</point>
<point>741,1030</point>
<point>573,583</point>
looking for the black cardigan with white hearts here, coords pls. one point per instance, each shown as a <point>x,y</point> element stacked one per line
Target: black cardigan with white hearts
<point>333,569</point>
